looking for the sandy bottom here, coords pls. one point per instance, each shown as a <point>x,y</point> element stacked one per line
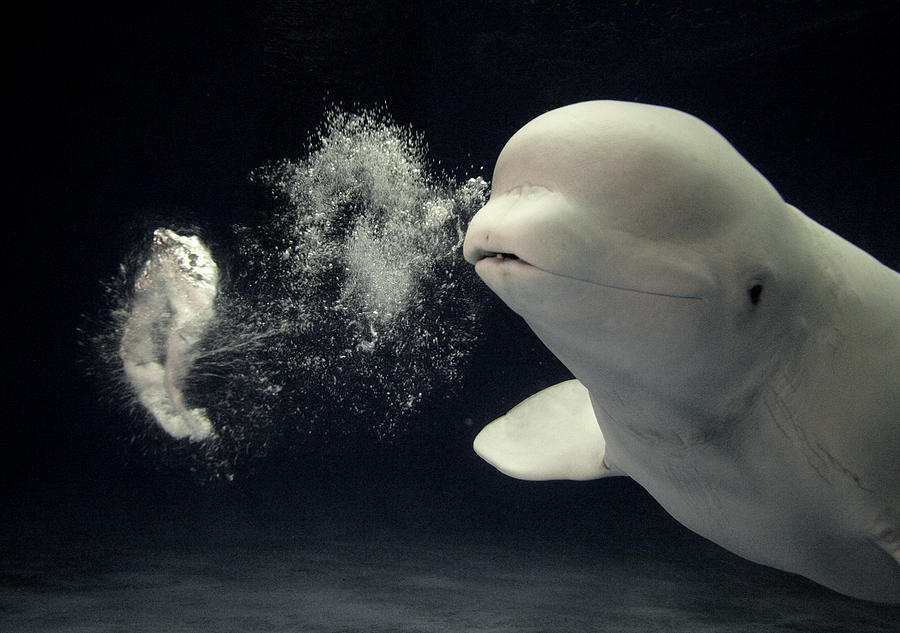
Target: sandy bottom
<point>390,583</point>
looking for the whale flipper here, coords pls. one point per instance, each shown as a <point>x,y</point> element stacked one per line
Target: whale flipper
<point>551,435</point>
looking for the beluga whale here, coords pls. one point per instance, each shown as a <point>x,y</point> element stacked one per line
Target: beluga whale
<point>738,360</point>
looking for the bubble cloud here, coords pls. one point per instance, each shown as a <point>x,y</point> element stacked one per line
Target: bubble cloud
<point>343,310</point>
<point>173,305</point>
<point>369,253</point>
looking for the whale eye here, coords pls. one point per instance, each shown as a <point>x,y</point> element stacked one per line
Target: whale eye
<point>755,293</point>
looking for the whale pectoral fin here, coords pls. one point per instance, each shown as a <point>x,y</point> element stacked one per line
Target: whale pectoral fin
<point>551,435</point>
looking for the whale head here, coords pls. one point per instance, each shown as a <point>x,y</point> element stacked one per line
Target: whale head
<point>636,242</point>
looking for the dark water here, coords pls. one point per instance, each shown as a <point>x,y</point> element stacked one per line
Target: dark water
<point>393,582</point>
<point>128,115</point>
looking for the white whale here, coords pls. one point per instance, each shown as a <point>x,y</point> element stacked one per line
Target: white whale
<point>738,360</point>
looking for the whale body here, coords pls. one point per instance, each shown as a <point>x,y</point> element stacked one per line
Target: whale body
<point>738,360</point>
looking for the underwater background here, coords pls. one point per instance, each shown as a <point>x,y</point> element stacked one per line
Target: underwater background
<point>340,492</point>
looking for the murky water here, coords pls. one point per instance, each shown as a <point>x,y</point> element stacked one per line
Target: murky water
<point>476,582</point>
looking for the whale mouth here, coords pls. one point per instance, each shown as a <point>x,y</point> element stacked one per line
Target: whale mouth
<point>501,257</point>
<point>497,255</point>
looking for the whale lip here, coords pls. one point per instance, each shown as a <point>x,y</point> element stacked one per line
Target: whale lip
<point>497,255</point>
<point>490,245</point>
<point>490,250</point>
<point>503,260</point>
<point>483,258</point>
<point>474,252</point>
<point>499,260</point>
